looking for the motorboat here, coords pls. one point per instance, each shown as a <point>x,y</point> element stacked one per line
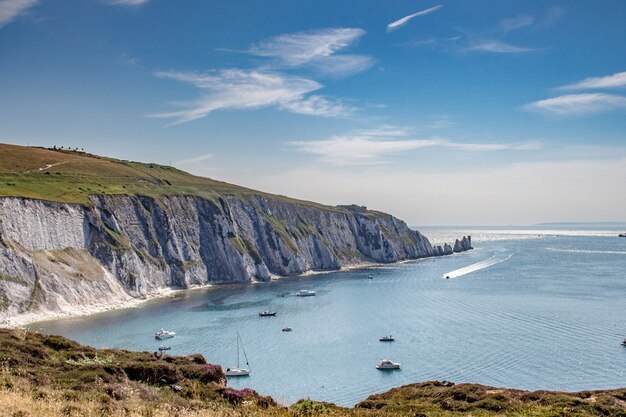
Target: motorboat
<point>624,342</point>
<point>163,347</point>
<point>386,338</point>
<point>622,235</point>
<point>267,313</point>
<point>287,329</point>
<point>305,293</point>
<point>238,370</point>
<point>164,334</point>
<point>370,277</point>
<point>387,364</point>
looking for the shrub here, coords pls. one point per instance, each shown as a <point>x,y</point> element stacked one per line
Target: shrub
<point>152,373</point>
<point>203,373</point>
<point>309,408</point>
<point>59,343</point>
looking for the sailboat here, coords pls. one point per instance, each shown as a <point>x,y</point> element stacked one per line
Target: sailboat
<point>238,371</point>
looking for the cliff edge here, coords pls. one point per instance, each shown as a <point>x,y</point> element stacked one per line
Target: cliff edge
<point>83,232</point>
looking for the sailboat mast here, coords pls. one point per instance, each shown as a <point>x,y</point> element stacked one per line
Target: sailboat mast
<point>238,351</point>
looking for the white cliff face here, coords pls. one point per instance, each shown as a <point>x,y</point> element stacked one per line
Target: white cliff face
<point>50,226</point>
<point>59,257</point>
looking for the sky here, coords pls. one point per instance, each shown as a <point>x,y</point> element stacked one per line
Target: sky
<point>465,112</point>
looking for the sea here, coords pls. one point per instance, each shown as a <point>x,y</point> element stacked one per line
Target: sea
<point>541,307</point>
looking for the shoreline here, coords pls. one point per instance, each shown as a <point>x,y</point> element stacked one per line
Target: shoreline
<point>29,318</point>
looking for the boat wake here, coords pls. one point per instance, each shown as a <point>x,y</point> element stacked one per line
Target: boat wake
<point>606,252</point>
<point>495,259</point>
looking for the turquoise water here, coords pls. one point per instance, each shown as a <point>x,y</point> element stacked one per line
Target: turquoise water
<point>528,308</point>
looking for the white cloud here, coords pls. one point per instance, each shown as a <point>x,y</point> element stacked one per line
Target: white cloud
<point>297,49</point>
<point>317,106</point>
<point>266,86</point>
<point>610,81</point>
<point>514,23</point>
<point>194,160</point>
<point>572,104</point>
<point>10,9</point>
<point>497,47</point>
<point>441,122</point>
<point>342,65</point>
<point>373,146</point>
<point>241,89</point>
<point>403,21</point>
<point>128,2</point>
<point>317,49</point>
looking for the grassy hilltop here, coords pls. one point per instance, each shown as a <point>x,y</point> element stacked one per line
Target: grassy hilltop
<point>69,176</point>
<point>53,376</point>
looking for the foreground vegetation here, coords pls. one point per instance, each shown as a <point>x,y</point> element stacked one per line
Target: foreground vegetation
<point>53,376</point>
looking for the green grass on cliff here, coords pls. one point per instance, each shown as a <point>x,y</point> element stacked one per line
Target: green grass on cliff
<point>53,376</point>
<point>71,177</point>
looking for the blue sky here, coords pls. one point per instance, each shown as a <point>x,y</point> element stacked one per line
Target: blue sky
<point>440,112</point>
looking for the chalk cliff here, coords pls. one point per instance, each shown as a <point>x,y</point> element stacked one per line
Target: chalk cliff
<point>106,250</point>
<point>58,257</point>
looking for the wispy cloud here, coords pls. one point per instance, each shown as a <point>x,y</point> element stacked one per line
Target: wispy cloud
<point>317,49</point>
<point>610,81</point>
<point>297,49</point>
<point>194,160</point>
<point>272,85</point>
<point>128,2</point>
<point>341,65</point>
<point>241,89</point>
<point>574,104</point>
<point>10,9</point>
<point>497,47</point>
<point>315,105</point>
<point>514,23</point>
<point>403,21</point>
<point>440,122</point>
<point>373,146</point>
<point>553,15</point>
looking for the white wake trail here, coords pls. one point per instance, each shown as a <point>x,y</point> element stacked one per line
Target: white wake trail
<point>495,259</point>
<point>605,252</point>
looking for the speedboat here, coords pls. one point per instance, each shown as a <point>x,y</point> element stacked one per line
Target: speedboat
<point>163,347</point>
<point>164,334</point>
<point>267,313</point>
<point>305,293</point>
<point>287,329</point>
<point>238,370</point>
<point>624,342</point>
<point>370,277</point>
<point>387,364</point>
<point>387,339</point>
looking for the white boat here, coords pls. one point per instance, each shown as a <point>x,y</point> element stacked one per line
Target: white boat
<point>267,313</point>
<point>164,334</point>
<point>305,293</point>
<point>387,364</point>
<point>163,347</point>
<point>386,338</point>
<point>239,371</point>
